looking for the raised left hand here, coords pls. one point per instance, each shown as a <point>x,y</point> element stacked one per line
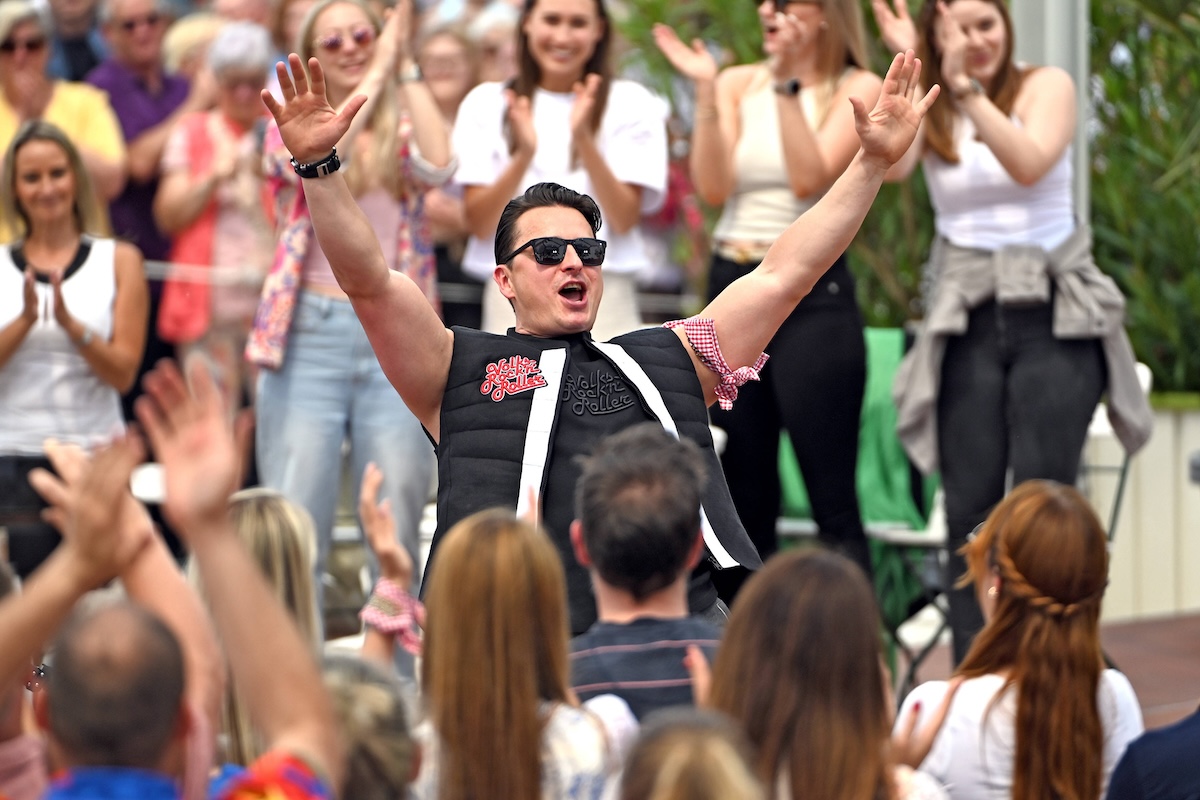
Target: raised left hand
<point>62,314</point>
<point>89,504</point>
<point>581,109</point>
<point>888,130</point>
<point>189,429</point>
<point>379,529</point>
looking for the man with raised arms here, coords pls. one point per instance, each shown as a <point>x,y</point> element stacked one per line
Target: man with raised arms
<point>509,414</point>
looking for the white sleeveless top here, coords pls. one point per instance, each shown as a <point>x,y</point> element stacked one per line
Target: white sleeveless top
<point>978,204</point>
<point>762,204</point>
<point>47,388</point>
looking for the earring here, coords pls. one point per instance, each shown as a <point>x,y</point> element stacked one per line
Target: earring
<point>993,592</point>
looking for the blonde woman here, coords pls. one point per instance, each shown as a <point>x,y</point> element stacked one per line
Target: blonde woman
<point>73,306</point>
<point>769,139</point>
<point>320,385</point>
<point>280,537</point>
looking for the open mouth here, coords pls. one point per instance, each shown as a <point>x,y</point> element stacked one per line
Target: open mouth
<point>573,292</point>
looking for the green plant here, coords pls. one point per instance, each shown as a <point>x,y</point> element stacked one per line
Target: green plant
<point>1146,175</point>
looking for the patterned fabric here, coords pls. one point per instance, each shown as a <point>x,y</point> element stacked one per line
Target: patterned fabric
<point>277,776</point>
<point>703,337</point>
<point>413,242</point>
<point>392,610</point>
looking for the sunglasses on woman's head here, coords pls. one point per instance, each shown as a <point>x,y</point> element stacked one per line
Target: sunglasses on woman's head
<point>551,250</point>
<point>333,42</point>
<point>34,45</point>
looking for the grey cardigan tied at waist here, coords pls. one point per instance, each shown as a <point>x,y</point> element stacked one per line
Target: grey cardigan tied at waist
<point>1087,305</point>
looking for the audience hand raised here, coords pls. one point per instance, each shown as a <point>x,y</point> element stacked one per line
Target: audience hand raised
<point>379,529</point>
<point>189,429</point>
<point>896,26</point>
<point>888,130</point>
<point>696,62</point>
<point>91,506</point>
<point>308,125</point>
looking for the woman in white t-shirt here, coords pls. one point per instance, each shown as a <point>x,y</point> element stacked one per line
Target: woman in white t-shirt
<point>563,119</point>
<point>1036,714</point>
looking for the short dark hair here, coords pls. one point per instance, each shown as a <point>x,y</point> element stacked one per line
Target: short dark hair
<point>541,195</point>
<point>638,500</point>
<point>116,689</point>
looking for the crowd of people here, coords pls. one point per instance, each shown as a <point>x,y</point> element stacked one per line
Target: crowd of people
<point>270,194</point>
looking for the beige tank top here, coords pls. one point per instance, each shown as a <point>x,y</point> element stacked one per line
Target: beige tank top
<point>762,204</point>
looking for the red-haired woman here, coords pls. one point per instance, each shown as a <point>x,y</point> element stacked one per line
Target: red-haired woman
<point>1037,714</point>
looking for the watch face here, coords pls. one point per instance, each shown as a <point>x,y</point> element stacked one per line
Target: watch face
<point>791,88</point>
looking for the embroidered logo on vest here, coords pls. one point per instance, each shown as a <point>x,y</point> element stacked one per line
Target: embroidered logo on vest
<point>511,375</point>
<point>600,392</point>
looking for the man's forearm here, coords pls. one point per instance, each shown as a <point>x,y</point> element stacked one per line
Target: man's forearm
<point>346,237</point>
<point>29,619</point>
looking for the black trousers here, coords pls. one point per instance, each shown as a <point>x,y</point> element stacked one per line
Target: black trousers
<point>1012,397</point>
<point>812,387</point>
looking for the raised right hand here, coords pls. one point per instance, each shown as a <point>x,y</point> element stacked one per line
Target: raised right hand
<point>693,62</point>
<point>895,26</point>
<point>308,125</point>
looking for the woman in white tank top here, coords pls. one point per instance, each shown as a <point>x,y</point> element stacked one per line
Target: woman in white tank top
<point>1002,392</point>
<point>72,323</point>
<point>769,139</point>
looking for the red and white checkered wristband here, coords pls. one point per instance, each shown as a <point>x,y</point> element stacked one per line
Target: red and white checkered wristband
<point>392,610</point>
<point>703,337</point>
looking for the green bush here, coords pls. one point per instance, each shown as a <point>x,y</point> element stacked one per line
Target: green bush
<point>1146,175</point>
<point>1146,167</point>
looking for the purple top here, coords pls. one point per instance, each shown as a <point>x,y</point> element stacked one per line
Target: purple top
<point>138,110</point>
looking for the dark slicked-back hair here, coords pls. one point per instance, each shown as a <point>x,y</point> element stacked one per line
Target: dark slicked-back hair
<point>116,689</point>
<point>638,499</point>
<point>541,195</point>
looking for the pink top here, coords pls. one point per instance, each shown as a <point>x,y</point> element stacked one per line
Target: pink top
<point>384,214</point>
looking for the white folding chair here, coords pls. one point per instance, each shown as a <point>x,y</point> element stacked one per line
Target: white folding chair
<point>1101,430</point>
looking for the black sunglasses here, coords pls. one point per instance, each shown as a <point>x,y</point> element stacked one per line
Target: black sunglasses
<point>149,20</point>
<point>34,45</point>
<point>550,250</point>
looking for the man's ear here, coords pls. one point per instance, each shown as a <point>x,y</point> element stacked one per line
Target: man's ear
<point>579,545</point>
<point>697,551</point>
<point>503,277</point>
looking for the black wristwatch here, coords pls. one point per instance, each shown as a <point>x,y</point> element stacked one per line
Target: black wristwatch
<point>788,88</point>
<point>318,169</point>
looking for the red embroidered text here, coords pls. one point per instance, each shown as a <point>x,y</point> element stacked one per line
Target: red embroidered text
<point>511,375</point>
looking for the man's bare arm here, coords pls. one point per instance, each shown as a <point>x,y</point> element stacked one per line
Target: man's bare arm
<point>410,341</point>
<point>749,312</point>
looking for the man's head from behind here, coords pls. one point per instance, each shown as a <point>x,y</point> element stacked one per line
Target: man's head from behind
<point>548,261</point>
<point>638,508</point>
<point>115,693</point>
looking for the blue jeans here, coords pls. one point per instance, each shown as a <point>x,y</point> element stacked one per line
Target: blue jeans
<point>329,390</point>
<point>1015,398</point>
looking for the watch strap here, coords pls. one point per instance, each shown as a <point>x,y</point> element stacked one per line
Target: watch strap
<point>788,88</point>
<point>318,169</point>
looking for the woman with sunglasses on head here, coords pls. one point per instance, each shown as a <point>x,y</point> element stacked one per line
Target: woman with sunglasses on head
<point>1036,714</point>
<point>769,138</point>
<point>566,120</point>
<point>73,306</point>
<point>1022,332</point>
<point>81,111</point>
<point>213,201</point>
<point>320,384</point>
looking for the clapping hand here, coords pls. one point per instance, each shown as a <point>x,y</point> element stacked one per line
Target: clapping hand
<point>103,527</point>
<point>888,130</point>
<point>29,308</point>
<point>952,44</point>
<point>695,62</point>
<point>895,25</point>
<point>581,109</point>
<point>520,121</point>
<point>308,125</point>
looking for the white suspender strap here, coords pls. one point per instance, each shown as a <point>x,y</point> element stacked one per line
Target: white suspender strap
<point>552,363</point>
<point>637,376</point>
